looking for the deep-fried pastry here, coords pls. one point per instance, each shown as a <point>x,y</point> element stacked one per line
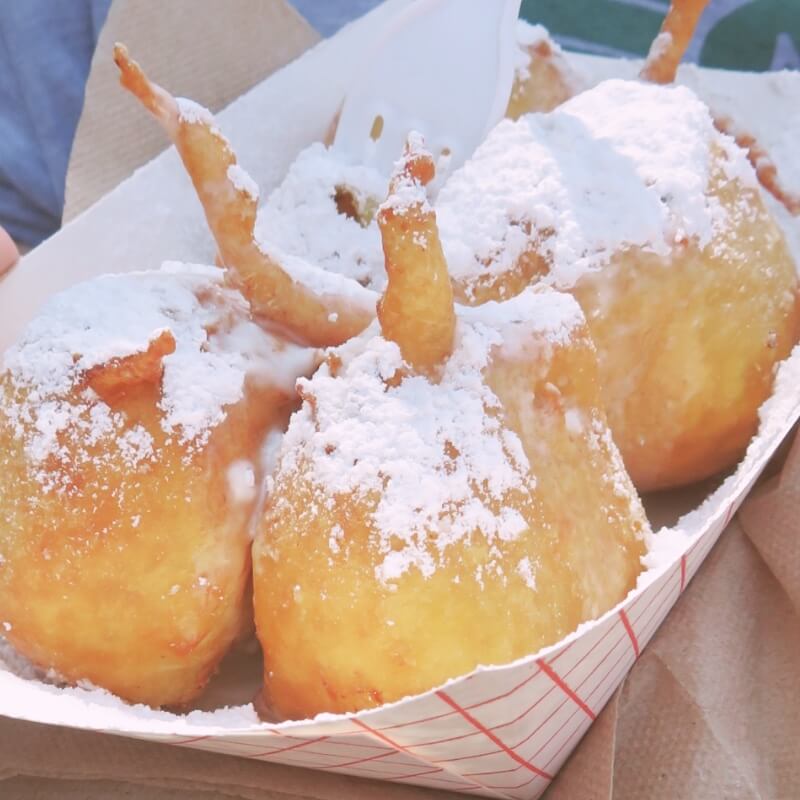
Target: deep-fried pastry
<point>132,411</point>
<point>628,197</point>
<point>448,495</point>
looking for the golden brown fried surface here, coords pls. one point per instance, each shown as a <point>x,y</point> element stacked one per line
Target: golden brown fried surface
<point>688,286</point>
<point>125,548</point>
<point>687,344</point>
<point>421,322</point>
<point>688,347</point>
<point>762,163</point>
<point>423,522</point>
<point>338,639</point>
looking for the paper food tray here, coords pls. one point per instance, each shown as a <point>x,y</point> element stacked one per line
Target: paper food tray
<point>499,732</point>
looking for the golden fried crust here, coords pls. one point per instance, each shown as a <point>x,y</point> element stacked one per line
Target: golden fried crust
<point>766,170</point>
<point>130,578</point>
<point>421,322</point>
<point>688,344</point>
<point>688,349</point>
<point>278,300</point>
<point>337,639</point>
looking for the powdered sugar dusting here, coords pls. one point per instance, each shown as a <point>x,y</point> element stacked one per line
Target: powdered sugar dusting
<point>354,418</point>
<point>114,317</point>
<point>321,281</point>
<point>193,113</point>
<point>528,35</point>
<point>661,45</point>
<point>301,216</point>
<point>435,474</point>
<point>534,313</point>
<point>242,482</point>
<point>242,181</point>
<point>406,190</point>
<point>624,164</point>
<point>16,663</point>
<point>527,571</point>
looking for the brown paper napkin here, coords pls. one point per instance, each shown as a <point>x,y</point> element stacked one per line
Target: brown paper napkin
<point>208,50</point>
<point>712,708</point>
<point>52,758</point>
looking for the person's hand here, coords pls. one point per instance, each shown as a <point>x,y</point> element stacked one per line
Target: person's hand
<point>9,255</point>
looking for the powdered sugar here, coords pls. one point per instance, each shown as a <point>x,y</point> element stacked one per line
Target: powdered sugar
<point>534,313</point>
<point>356,416</point>
<point>437,471</point>
<point>114,317</point>
<point>301,216</point>
<point>242,181</point>
<point>193,113</point>
<point>527,571</point>
<point>624,164</point>
<point>771,115</point>
<point>16,663</point>
<point>783,147</point>
<point>528,35</point>
<point>661,45</point>
<point>321,281</point>
<point>406,190</point>
<point>177,227</point>
<point>242,482</point>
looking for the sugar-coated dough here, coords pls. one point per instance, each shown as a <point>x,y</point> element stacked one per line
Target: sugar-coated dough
<point>131,415</point>
<point>689,344</point>
<point>627,197</point>
<point>418,527</point>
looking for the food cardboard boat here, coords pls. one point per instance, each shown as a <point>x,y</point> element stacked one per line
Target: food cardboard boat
<point>502,731</point>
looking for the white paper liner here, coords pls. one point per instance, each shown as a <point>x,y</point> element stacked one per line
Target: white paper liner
<point>499,732</point>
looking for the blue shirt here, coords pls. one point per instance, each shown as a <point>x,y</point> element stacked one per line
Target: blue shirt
<point>46,48</point>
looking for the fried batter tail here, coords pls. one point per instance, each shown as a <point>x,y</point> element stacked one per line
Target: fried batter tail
<point>114,378</point>
<point>156,100</point>
<point>765,168</point>
<point>668,47</point>
<point>417,310</point>
<point>661,66</point>
<point>229,205</point>
<point>230,202</point>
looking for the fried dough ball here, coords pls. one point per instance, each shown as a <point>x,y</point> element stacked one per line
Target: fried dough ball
<point>132,411</point>
<point>627,197</point>
<point>447,496</point>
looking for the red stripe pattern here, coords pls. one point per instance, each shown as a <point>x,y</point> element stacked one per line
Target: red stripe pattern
<point>499,733</point>
<point>629,630</point>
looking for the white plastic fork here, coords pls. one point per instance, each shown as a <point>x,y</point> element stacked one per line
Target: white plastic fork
<point>444,68</point>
